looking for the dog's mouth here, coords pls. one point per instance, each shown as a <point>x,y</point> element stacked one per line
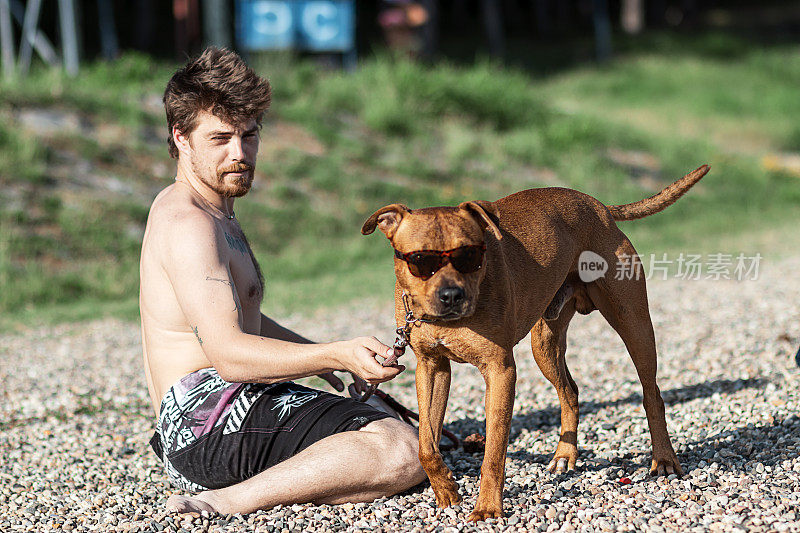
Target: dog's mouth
<point>451,315</point>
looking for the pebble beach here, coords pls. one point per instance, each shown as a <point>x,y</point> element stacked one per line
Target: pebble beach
<point>75,421</point>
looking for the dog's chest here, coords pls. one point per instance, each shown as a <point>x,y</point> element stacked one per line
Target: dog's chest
<point>434,343</point>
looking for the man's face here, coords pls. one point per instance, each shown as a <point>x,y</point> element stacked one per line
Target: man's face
<point>223,155</point>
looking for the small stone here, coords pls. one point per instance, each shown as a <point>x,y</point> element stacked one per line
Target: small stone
<point>474,443</point>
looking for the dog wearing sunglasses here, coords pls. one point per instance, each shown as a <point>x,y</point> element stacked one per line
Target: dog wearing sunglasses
<point>478,277</point>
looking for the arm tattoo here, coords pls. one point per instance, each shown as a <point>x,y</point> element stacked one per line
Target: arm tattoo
<point>194,329</point>
<point>225,281</point>
<point>229,284</point>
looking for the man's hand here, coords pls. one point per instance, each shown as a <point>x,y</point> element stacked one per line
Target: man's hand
<point>359,386</point>
<point>359,357</point>
<point>363,350</point>
<point>333,380</point>
<point>356,389</point>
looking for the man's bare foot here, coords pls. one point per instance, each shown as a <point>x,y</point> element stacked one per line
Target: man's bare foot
<point>185,504</point>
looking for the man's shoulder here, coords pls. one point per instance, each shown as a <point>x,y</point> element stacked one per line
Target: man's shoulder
<point>176,219</point>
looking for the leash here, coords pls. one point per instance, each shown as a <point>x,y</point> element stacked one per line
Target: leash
<point>400,343</point>
<point>408,415</point>
<point>402,340</point>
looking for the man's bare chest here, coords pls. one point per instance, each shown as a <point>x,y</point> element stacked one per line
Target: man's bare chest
<point>245,272</point>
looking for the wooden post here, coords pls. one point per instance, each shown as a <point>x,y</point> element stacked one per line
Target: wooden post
<point>40,42</point>
<point>29,26</point>
<point>216,23</point>
<point>187,26</point>
<point>108,30</point>
<point>69,37</point>
<point>602,30</point>
<point>632,16</point>
<point>430,30</point>
<point>6,39</point>
<point>493,21</point>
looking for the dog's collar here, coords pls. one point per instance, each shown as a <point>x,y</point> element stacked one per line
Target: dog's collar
<point>411,320</point>
<point>400,343</point>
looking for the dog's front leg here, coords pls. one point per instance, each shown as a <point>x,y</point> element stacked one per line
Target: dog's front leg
<point>500,375</point>
<point>433,387</point>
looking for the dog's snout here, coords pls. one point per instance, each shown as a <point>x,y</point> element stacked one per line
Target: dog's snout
<point>451,296</point>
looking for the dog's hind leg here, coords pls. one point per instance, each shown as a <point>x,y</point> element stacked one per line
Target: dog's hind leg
<point>623,303</point>
<point>564,293</point>
<point>549,344</point>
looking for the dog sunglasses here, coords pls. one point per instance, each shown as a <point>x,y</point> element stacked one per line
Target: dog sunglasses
<point>425,263</point>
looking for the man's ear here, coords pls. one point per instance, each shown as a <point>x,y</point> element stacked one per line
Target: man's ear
<point>386,219</point>
<point>485,213</point>
<point>181,141</point>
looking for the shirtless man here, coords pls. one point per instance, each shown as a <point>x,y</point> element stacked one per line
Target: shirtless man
<point>231,426</point>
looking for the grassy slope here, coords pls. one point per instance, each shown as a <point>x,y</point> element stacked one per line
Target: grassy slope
<point>338,146</point>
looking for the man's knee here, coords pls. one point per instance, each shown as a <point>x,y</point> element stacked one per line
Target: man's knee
<point>398,445</point>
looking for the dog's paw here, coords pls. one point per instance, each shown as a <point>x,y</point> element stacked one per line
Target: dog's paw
<point>483,512</point>
<point>559,465</point>
<point>564,459</point>
<point>446,494</point>
<point>666,466</point>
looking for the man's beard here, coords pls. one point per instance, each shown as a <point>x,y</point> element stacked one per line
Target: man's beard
<point>240,185</point>
<point>230,188</point>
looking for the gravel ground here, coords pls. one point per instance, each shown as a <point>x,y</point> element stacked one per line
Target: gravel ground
<point>75,422</point>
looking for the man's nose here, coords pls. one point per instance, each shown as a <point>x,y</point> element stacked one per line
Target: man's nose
<point>236,148</point>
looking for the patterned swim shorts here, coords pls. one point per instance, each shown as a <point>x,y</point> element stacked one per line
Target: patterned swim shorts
<point>213,434</point>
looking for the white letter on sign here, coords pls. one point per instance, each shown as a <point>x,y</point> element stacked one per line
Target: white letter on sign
<point>319,20</point>
<point>274,18</point>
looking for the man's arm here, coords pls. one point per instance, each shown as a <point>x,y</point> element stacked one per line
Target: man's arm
<point>270,328</point>
<point>195,259</point>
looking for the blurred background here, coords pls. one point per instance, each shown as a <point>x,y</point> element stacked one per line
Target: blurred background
<point>423,103</point>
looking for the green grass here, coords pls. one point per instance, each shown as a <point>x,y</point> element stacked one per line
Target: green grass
<point>337,146</point>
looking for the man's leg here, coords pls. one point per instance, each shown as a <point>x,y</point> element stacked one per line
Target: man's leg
<point>378,460</point>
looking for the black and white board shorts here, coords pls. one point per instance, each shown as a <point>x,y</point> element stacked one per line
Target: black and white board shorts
<point>213,434</point>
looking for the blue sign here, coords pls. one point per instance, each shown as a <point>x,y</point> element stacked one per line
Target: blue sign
<point>317,25</point>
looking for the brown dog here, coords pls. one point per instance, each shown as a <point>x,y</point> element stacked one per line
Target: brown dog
<point>474,307</point>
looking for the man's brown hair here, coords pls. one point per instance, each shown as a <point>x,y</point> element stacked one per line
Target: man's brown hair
<point>218,81</point>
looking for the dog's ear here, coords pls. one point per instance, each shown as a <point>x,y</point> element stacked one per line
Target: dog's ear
<point>386,219</point>
<point>485,213</point>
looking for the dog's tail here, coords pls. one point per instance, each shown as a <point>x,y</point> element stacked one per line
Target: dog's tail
<point>658,202</point>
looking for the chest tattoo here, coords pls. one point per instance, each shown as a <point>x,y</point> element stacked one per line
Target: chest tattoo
<point>236,243</point>
<point>239,243</point>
